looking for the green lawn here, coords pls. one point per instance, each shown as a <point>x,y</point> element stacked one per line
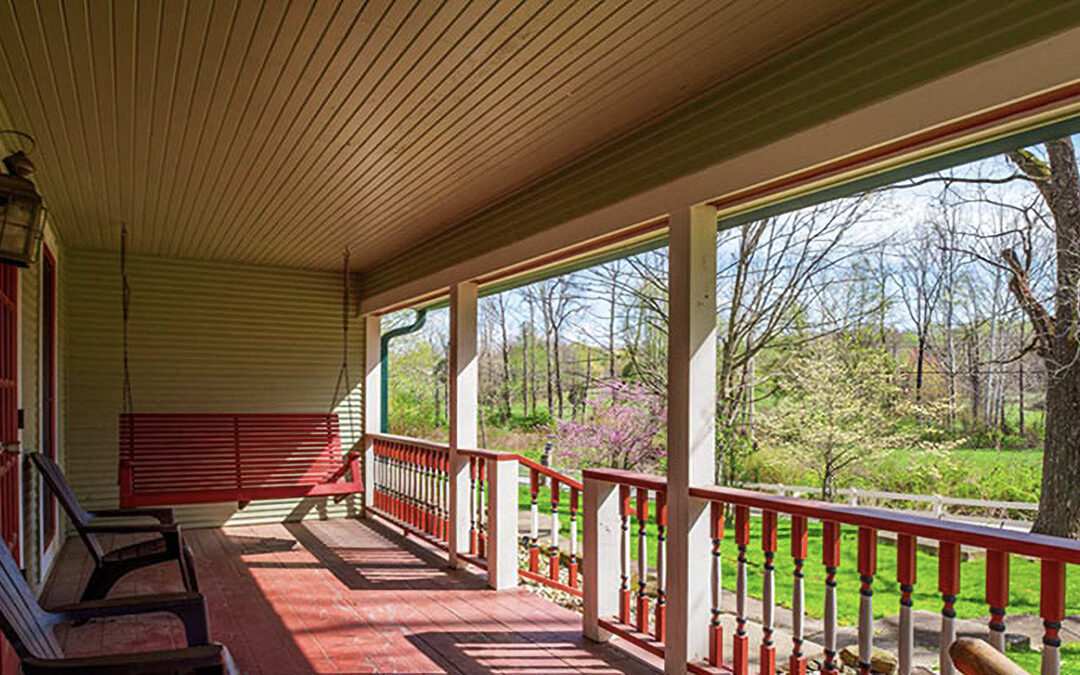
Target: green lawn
<point>1031,660</point>
<point>1024,573</point>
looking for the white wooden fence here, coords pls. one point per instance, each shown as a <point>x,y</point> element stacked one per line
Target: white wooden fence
<point>1001,513</point>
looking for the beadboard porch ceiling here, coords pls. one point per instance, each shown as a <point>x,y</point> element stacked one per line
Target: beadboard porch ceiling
<point>278,133</point>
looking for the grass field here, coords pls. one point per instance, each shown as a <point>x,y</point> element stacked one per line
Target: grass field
<point>1024,573</point>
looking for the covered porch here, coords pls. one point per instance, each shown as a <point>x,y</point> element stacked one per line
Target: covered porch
<point>288,174</point>
<point>346,596</point>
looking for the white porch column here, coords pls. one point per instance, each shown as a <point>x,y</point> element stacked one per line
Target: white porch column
<point>691,430</point>
<point>372,401</point>
<point>602,534</point>
<point>503,524</point>
<point>464,392</point>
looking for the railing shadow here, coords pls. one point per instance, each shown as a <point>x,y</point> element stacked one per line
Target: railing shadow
<point>401,564</point>
<point>522,652</point>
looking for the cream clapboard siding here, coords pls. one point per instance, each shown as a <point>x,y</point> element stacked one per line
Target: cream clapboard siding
<point>204,337</point>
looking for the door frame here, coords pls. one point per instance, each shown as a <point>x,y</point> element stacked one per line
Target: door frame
<point>47,549</point>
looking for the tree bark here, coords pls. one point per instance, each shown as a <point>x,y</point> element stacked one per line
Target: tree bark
<point>1058,338</point>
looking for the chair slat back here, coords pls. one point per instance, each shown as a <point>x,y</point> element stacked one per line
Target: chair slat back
<point>24,623</point>
<point>54,478</point>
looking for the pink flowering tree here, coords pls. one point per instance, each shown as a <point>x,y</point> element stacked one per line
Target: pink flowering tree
<point>622,429</point>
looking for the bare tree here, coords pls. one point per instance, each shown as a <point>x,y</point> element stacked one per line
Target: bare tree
<point>1057,334</point>
<point>920,281</point>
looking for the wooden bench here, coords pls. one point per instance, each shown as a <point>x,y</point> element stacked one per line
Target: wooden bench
<point>198,458</point>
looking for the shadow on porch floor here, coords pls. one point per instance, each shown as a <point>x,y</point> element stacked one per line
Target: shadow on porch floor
<point>344,596</point>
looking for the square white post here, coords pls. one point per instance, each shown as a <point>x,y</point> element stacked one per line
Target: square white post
<point>464,392</point>
<point>503,524</point>
<point>691,431</point>
<point>602,535</point>
<point>372,393</point>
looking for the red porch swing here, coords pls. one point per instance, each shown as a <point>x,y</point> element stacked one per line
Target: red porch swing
<point>200,458</point>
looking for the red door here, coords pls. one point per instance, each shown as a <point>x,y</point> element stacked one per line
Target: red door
<point>48,390</point>
<point>10,498</point>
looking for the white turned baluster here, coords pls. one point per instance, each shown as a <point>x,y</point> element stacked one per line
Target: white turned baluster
<point>768,592</point>
<point>906,566</point>
<point>573,538</point>
<point>716,631</point>
<point>643,560</point>
<point>799,541</point>
<point>949,585</point>
<point>740,657</point>
<point>556,531</point>
<point>867,569</point>
<point>831,560</point>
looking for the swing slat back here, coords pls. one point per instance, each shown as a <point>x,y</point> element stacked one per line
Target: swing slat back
<point>195,458</point>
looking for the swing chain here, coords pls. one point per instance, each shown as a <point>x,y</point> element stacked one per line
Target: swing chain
<point>344,380</point>
<point>128,404</point>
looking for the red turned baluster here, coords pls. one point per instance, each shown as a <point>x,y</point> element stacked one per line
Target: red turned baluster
<point>473,537</point>
<point>949,586</point>
<point>906,566</point>
<point>430,501</point>
<point>799,546</point>
<point>768,593</point>
<point>740,641</point>
<point>556,532</point>
<point>481,521</point>
<point>643,560</point>
<point>867,569</point>
<point>573,569</point>
<point>534,522</point>
<point>716,630</point>
<point>395,477</point>
<point>1052,609</point>
<point>997,595</point>
<point>624,558</point>
<point>660,629</point>
<point>830,557</point>
<point>414,484</point>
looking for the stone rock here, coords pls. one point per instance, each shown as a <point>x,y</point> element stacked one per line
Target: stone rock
<point>881,661</point>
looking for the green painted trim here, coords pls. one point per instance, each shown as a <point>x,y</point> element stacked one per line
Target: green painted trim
<point>944,161</point>
<point>915,169</point>
<point>890,47</point>
<point>384,365</point>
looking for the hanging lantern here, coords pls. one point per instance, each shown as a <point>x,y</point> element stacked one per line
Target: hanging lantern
<point>22,216</point>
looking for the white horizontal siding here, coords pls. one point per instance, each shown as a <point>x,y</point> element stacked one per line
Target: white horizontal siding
<point>204,337</point>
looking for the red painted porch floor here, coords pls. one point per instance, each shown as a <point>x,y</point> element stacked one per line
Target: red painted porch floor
<point>343,596</point>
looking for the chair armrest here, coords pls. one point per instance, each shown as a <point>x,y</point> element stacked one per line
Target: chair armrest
<point>190,608</point>
<point>121,528</point>
<point>212,656</point>
<point>165,516</point>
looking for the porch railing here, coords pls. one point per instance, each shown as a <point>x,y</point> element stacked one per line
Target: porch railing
<point>626,529</point>
<point>411,480</point>
<point>727,504</point>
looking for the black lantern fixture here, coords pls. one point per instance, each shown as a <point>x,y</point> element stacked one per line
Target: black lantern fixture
<point>22,216</point>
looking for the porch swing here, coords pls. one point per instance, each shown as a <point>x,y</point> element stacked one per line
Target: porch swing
<point>201,458</point>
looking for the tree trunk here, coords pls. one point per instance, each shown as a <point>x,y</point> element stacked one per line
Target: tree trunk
<point>920,360</point>
<point>524,370</point>
<point>1021,422</point>
<point>1059,505</point>
<point>611,332</point>
<point>505,360</point>
<point>547,359</point>
<point>558,373</point>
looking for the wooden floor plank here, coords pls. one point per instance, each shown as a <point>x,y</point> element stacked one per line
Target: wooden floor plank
<point>345,596</point>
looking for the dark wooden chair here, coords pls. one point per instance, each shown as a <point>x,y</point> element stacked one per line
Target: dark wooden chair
<point>110,567</point>
<point>29,629</point>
